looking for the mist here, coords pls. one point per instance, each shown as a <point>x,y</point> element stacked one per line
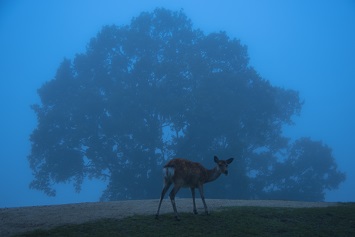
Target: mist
<point>302,46</point>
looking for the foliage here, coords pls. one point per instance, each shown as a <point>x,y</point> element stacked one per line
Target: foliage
<point>158,88</point>
<point>308,170</point>
<point>236,221</point>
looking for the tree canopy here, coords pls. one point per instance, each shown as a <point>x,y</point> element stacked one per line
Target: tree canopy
<point>158,88</point>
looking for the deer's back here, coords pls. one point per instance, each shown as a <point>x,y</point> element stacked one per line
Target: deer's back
<point>189,173</point>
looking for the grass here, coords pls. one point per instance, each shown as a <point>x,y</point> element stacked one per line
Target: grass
<point>235,221</point>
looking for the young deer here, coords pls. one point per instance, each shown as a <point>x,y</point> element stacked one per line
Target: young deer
<point>188,174</point>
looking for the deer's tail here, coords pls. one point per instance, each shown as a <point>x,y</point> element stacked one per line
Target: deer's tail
<point>168,173</point>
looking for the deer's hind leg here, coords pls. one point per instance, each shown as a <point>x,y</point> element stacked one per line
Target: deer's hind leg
<point>165,189</point>
<point>172,194</point>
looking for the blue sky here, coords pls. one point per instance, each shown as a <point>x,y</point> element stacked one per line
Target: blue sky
<point>308,46</point>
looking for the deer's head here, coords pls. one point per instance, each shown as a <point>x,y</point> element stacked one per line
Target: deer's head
<point>223,164</point>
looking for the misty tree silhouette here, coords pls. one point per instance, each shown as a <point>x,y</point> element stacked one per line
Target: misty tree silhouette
<point>157,88</point>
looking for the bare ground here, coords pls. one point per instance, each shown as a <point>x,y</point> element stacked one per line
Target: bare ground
<point>23,219</point>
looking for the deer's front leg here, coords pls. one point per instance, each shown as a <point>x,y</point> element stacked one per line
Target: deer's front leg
<point>200,188</point>
<point>193,200</point>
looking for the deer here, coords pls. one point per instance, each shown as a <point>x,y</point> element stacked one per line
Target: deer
<point>184,173</point>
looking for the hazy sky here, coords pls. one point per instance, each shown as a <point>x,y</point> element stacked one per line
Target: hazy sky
<point>308,46</point>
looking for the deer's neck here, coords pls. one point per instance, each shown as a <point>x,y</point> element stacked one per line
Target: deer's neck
<point>213,174</point>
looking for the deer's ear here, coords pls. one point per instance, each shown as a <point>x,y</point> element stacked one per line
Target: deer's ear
<point>216,159</point>
<point>229,160</point>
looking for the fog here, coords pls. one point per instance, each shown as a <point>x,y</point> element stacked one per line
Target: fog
<point>307,46</point>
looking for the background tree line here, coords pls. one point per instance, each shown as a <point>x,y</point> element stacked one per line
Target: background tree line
<point>156,89</point>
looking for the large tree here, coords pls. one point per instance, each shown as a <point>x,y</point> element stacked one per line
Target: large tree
<point>158,88</point>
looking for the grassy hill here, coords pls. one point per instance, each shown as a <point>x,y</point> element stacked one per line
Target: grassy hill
<point>233,221</point>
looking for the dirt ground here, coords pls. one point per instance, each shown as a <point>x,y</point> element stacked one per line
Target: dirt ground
<point>22,219</point>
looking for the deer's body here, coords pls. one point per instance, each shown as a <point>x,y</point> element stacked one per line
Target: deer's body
<point>187,174</point>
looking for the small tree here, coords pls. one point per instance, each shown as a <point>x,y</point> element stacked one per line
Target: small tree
<point>307,173</point>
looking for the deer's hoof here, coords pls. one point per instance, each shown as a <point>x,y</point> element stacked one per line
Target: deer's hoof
<point>177,218</point>
<point>157,217</point>
<point>195,212</point>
